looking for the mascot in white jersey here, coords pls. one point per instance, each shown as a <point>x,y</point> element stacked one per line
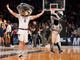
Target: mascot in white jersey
<point>23,15</point>
<point>56,28</point>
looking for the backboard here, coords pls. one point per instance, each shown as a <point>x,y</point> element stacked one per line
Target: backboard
<point>54,4</point>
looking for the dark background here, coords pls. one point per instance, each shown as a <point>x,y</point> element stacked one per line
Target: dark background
<point>72,12</point>
<point>37,4</point>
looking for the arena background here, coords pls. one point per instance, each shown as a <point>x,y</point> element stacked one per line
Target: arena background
<point>71,17</point>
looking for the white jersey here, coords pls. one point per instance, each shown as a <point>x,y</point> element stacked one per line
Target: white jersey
<point>24,21</point>
<point>8,29</point>
<point>56,27</point>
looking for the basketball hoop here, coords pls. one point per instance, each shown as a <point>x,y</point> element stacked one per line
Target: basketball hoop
<point>52,9</point>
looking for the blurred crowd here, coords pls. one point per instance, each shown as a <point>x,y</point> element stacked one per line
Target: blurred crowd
<point>7,30</point>
<point>38,33</point>
<point>72,33</point>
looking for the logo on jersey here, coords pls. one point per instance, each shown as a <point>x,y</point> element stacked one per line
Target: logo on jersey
<point>24,20</point>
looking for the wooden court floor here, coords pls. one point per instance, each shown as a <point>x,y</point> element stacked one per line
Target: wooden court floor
<point>69,53</point>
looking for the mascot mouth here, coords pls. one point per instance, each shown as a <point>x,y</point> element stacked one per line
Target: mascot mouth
<point>23,8</point>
